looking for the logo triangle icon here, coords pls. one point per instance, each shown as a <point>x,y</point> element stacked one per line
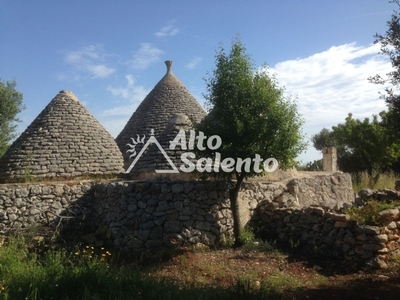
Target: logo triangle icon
<point>152,140</point>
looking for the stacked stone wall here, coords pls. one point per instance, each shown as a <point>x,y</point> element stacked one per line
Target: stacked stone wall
<point>129,214</point>
<point>154,214</point>
<point>26,205</point>
<point>145,215</point>
<point>334,234</point>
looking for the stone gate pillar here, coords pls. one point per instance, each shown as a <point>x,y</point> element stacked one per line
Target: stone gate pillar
<point>329,159</point>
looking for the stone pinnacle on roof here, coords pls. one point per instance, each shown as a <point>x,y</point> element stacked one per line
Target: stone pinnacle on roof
<point>167,99</point>
<point>168,63</point>
<point>64,140</point>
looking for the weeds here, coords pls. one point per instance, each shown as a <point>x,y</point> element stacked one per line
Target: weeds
<point>294,244</point>
<point>363,181</point>
<point>368,214</point>
<point>90,273</point>
<point>246,236</point>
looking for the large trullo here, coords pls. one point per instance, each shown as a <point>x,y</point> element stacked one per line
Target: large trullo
<point>64,141</point>
<point>168,108</point>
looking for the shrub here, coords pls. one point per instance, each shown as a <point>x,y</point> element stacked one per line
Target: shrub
<point>368,214</point>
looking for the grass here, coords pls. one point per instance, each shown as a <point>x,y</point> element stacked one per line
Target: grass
<point>90,274</point>
<point>96,273</point>
<point>368,214</point>
<point>363,181</point>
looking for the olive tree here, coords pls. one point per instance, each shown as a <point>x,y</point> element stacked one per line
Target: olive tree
<point>10,105</point>
<point>254,118</point>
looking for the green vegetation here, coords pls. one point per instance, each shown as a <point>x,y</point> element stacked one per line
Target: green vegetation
<point>256,271</point>
<point>10,105</point>
<point>251,114</point>
<point>363,181</point>
<point>368,214</point>
<point>246,236</point>
<point>362,146</point>
<point>390,47</point>
<point>91,274</point>
<point>316,165</point>
<point>372,145</point>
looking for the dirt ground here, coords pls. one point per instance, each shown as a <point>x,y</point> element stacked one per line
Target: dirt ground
<point>292,275</point>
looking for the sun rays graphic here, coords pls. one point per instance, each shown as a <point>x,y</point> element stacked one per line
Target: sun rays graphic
<point>133,145</point>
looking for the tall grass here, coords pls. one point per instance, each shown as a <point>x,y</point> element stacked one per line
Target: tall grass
<point>83,274</point>
<point>364,181</point>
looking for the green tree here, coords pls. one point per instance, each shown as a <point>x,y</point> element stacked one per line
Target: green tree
<point>316,165</point>
<point>390,47</point>
<point>10,105</point>
<point>251,114</point>
<point>362,146</point>
<point>323,139</point>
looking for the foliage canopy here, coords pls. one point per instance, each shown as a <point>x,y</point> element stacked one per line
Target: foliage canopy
<point>10,105</point>
<point>252,116</point>
<point>250,112</point>
<point>390,47</point>
<point>362,146</point>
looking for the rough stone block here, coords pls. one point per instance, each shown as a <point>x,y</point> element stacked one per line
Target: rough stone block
<point>172,226</point>
<point>340,224</point>
<point>373,247</point>
<point>381,238</point>
<point>374,230</point>
<point>202,225</point>
<point>177,188</point>
<point>388,215</point>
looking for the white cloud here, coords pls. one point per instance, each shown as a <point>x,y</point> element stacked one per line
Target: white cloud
<point>194,62</point>
<point>168,30</point>
<point>131,92</point>
<point>333,83</point>
<point>145,56</point>
<point>101,71</point>
<point>90,59</point>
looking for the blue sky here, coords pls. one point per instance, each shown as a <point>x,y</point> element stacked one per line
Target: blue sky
<point>110,54</point>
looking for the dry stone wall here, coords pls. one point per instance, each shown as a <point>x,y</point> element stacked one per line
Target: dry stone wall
<point>146,215</point>
<point>153,214</point>
<point>25,205</point>
<point>334,234</point>
<point>333,191</point>
<point>128,214</point>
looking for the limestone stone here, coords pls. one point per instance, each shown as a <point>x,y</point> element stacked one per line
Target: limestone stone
<point>172,226</point>
<point>340,224</point>
<point>366,194</point>
<point>319,191</point>
<point>339,217</point>
<point>392,225</point>
<point>207,238</point>
<point>377,263</point>
<point>177,188</point>
<point>381,238</point>
<point>388,215</point>
<point>349,239</point>
<point>361,237</point>
<point>368,229</point>
<point>373,247</point>
<point>202,225</point>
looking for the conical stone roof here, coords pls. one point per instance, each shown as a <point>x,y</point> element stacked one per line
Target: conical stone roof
<point>167,99</point>
<point>65,140</point>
